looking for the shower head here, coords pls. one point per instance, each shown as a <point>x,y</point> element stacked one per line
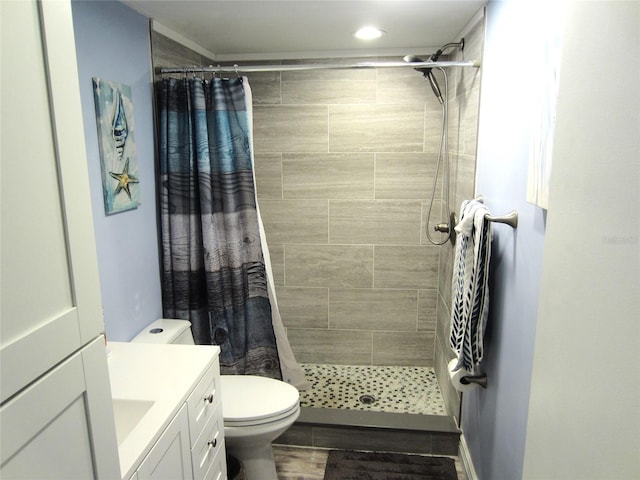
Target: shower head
<point>414,59</point>
<point>434,56</point>
<point>427,73</point>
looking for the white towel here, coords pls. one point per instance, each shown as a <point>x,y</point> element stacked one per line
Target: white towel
<point>470,291</point>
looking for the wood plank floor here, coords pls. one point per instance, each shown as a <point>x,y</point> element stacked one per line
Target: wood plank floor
<point>304,463</point>
<point>300,463</point>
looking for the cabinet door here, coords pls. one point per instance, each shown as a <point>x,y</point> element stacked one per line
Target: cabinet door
<point>50,287</point>
<point>49,432</point>
<point>170,457</point>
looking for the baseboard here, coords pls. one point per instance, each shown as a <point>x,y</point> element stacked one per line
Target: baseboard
<point>465,458</point>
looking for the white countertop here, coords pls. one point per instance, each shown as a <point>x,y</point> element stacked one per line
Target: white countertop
<point>162,374</point>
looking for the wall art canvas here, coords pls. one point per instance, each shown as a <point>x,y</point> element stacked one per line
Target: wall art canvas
<point>547,77</point>
<point>116,140</point>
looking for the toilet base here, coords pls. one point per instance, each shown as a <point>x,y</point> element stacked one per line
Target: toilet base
<point>257,461</point>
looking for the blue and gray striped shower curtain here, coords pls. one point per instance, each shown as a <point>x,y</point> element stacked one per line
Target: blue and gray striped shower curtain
<point>213,269</point>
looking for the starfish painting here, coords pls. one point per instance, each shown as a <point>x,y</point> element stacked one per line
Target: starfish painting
<point>124,179</point>
<point>116,140</point>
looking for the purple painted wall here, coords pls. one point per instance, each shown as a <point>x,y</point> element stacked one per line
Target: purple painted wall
<point>112,42</point>
<point>584,420</point>
<point>494,420</point>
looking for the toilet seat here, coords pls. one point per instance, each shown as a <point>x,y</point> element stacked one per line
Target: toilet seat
<point>252,400</point>
<point>264,421</point>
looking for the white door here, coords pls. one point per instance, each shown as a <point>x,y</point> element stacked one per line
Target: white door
<point>51,308</point>
<point>45,432</point>
<point>50,287</point>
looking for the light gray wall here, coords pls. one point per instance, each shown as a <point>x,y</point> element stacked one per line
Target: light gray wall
<point>112,42</point>
<point>343,163</point>
<point>584,416</point>
<point>494,420</point>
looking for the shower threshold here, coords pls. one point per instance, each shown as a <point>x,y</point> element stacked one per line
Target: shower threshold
<point>376,431</point>
<point>394,409</point>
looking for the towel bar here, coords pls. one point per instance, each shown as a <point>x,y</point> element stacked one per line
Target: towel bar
<point>477,379</point>
<point>510,218</point>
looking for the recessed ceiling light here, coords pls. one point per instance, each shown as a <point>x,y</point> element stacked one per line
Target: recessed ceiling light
<point>369,33</point>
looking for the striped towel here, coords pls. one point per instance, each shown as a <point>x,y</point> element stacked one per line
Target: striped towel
<point>470,291</point>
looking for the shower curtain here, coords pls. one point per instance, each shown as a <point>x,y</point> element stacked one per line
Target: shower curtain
<point>213,249</point>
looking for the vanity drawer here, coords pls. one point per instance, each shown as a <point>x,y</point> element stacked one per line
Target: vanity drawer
<point>218,468</point>
<point>208,453</point>
<point>203,401</point>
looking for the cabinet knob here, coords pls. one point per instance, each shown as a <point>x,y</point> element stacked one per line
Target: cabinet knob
<point>212,443</point>
<point>209,398</point>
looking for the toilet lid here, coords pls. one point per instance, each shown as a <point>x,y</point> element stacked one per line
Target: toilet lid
<point>251,398</point>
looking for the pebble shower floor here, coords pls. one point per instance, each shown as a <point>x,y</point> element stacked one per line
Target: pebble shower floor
<point>378,389</point>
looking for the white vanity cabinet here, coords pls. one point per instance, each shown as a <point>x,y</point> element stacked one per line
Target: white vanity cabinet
<point>178,430</point>
<point>206,427</point>
<point>192,446</point>
<point>170,457</point>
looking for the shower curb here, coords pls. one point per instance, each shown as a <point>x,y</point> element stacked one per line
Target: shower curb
<point>379,431</point>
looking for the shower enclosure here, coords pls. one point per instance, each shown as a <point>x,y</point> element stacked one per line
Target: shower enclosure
<point>344,163</point>
<point>344,166</point>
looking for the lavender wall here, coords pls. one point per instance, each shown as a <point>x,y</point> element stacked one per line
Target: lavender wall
<point>112,42</point>
<point>494,420</point>
<point>584,420</point>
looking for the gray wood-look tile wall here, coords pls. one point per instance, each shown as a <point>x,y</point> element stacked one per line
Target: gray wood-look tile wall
<point>464,94</point>
<point>344,164</point>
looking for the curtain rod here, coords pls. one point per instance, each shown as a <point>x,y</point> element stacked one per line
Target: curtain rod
<point>310,66</point>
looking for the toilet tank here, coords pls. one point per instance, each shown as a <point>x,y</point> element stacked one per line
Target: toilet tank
<point>166,330</point>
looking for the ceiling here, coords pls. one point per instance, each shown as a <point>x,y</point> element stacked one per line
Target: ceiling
<point>239,29</point>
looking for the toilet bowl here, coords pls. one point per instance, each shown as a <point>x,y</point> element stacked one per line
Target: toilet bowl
<point>256,410</point>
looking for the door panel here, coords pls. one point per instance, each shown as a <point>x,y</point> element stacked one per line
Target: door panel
<point>170,457</point>
<point>49,287</point>
<point>44,428</point>
<point>61,426</point>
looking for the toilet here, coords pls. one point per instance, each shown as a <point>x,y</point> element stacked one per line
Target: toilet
<point>256,410</point>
